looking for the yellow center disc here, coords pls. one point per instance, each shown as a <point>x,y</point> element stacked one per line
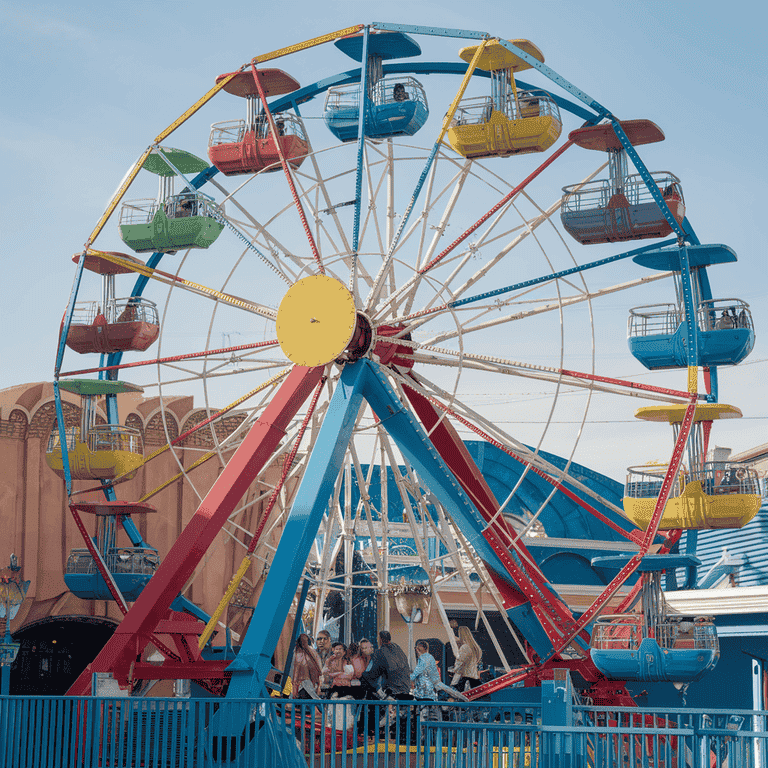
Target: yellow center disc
<point>316,320</point>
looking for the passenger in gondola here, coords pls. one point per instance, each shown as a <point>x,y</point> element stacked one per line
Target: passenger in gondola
<point>726,321</point>
<point>743,319</point>
<point>280,125</point>
<point>186,207</point>
<point>399,93</point>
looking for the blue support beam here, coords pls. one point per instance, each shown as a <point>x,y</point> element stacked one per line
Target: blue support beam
<point>362,112</point>
<point>362,380</point>
<point>253,663</point>
<point>556,275</point>
<point>419,68</point>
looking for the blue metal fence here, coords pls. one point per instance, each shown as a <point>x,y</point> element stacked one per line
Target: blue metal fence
<point>63,732</point>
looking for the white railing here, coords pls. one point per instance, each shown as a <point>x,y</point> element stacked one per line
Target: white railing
<point>128,560</point>
<point>348,96</point>
<point>724,314</point>
<point>233,131</point>
<point>716,478</point>
<point>478,110</point>
<point>654,319</point>
<point>624,632</point>
<point>127,310</point>
<point>112,437</point>
<point>597,194</point>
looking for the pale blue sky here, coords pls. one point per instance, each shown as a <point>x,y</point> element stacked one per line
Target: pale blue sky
<point>87,85</point>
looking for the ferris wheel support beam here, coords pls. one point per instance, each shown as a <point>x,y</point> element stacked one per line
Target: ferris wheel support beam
<point>183,557</point>
<point>364,380</point>
<point>549,609</point>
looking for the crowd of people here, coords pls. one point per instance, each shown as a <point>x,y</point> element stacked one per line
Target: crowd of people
<point>331,669</point>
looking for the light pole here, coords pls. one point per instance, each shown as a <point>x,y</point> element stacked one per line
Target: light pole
<point>12,593</point>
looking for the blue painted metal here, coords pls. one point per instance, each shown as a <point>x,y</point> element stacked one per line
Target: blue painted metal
<point>63,435</point>
<point>360,380</point>
<point>253,663</point>
<point>550,732</point>
<point>727,346</point>
<point>362,111</point>
<point>308,92</point>
<point>555,275</point>
<point>648,179</point>
<point>393,46</point>
<point>663,258</point>
<point>652,663</point>
<point>382,120</point>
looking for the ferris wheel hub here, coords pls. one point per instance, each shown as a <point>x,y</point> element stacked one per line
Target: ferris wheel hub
<point>316,320</point>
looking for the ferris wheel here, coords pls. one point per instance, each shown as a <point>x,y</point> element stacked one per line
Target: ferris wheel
<point>383,281</point>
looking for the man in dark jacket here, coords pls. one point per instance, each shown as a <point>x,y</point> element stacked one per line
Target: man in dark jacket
<point>390,663</point>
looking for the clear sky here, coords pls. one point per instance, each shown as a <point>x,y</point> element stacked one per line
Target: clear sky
<point>87,85</point>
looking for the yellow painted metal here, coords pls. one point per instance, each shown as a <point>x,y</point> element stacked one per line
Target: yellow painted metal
<point>118,196</point>
<point>85,464</point>
<point>673,413</point>
<point>224,602</point>
<point>201,102</point>
<point>153,274</point>
<point>693,378</point>
<point>462,88</point>
<point>496,56</point>
<point>499,136</point>
<point>694,509</point>
<point>316,320</point>
<point>329,38</point>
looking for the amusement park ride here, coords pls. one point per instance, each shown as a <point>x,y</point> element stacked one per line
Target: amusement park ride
<point>376,329</point>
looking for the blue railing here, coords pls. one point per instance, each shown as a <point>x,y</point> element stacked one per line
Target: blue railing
<point>59,732</point>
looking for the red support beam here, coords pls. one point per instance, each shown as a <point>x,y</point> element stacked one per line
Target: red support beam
<point>179,564</point>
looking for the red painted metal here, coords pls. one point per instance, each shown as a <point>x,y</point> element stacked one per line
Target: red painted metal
<point>602,137</point>
<point>177,567</point>
<point>117,595</point>
<point>629,384</point>
<point>257,77</point>
<point>554,615</point>
<point>174,358</point>
<point>106,508</point>
<point>197,670</point>
<point>666,488</point>
<point>125,335</point>
<point>286,468</point>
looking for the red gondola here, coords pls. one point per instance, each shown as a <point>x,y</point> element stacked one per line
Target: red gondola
<point>112,325</point>
<point>247,146</point>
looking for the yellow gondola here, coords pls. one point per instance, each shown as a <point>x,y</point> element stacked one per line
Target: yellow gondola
<point>707,494</point>
<point>509,121</point>
<point>96,451</point>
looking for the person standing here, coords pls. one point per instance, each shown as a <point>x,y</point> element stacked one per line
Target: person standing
<point>465,672</point>
<point>339,670</point>
<point>306,667</point>
<point>390,663</point>
<point>425,675</point>
<point>323,652</point>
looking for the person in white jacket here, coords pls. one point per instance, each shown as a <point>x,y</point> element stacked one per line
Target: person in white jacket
<point>465,672</point>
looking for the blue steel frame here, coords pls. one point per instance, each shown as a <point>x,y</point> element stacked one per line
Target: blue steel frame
<point>361,380</point>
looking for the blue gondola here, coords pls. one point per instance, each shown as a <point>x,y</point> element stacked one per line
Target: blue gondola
<point>394,106</point>
<point>652,645</point>
<point>658,333</point>
<point>131,566</point>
